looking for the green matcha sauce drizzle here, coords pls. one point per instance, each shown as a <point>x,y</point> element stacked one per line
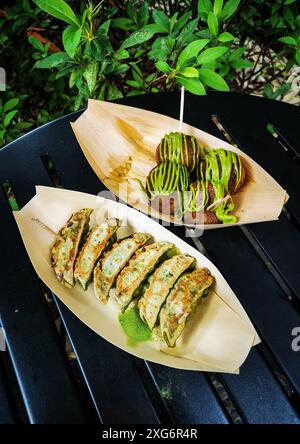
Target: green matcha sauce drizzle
<point>166,178</point>
<point>222,211</point>
<point>219,165</point>
<point>174,148</point>
<point>200,190</point>
<point>134,328</point>
<point>172,175</point>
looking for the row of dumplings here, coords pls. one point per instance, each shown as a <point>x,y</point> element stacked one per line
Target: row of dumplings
<point>163,282</point>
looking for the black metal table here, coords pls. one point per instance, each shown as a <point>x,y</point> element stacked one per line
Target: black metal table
<point>39,384</point>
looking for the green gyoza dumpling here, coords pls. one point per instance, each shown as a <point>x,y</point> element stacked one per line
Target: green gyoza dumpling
<point>160,284</point>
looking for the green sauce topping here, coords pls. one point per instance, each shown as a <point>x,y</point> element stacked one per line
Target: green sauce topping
<point>222,211</point>
<point>172,175</point>
<point>219,165</point>
<point>174,148</point>
<point>134,327</point>
<point>166,178</point>
<point>194,203</point>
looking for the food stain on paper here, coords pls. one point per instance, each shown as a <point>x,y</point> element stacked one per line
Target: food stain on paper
<point>135,139</point>
<point>120,172</point>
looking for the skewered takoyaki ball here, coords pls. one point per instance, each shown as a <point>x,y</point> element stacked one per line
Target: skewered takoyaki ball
<point>164,186</point>
<point>223,166</point>
<point>201,193</point>
<point>179,148</point>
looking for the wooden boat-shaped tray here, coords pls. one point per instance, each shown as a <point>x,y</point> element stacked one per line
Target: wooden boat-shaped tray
<point>218,337</point>
<point>120,141</point>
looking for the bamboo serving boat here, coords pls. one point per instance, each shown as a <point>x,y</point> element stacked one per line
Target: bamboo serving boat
<point>120,141</point>
<point>219,335</point>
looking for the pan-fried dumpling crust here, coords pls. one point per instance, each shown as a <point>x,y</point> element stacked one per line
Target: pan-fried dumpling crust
<point>181,303</point>
<point>65,249</point>
<point>160,284</point>
<point>108,268</point>
<point>98,240</point>
<point>140,266</point>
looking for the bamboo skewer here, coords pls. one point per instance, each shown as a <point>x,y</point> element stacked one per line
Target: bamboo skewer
<point>218,202</point>
<point>181,109</point>
<point>45,227</point>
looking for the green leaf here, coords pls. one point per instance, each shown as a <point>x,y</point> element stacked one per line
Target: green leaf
<point>204,8</point>
<point>83,17</point>
<point>23,125</point>
<point>121,54</point>
<point>195,86</point>
<point>137,37</point>
<point>131,11</point>
<point>288,40</point>
<point>123,23</point>
<point>105,26</point>
<point>63,72</point>
<point>274,20</point>
<point>101,95</point>
<point>236,54</point>
<point>297,56</point>
<point>137,75</point>
<point>241,64</point>
<point>212,79</point>
<point>275,8</point>
<point>282,89</point>
<point>71,39</point>
<point>143,14</point>
<point>181,22</point>
<point>288,15</point>
<point>150,77</point>
<point>192,50</point>
<point>52,61</point>
<point>189,72</point>
<point>14,204</point>
<point>90,75</point>
<point>36,43</point>
<point>10,104</point>
<point>288,2</point>
<point>268,91</point>
<point>155,28</point>
<point>59,9</point>
<point>133,83</point>
<point>218,5</point>
<point>113,93</point>
<point>160,18</point>
<point>163,66</point>
<point>9,116</point>
<point>213,24</point>
<point>210,54</point>
<point>98,50</point>
<point>26,6</point>
<point>225,37</point>
<point>136,92</point>
<point>229,9</point>
<point>117,68</point>
<point>73,77</point>
<point>173,21</point>
<point>186,32</point>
